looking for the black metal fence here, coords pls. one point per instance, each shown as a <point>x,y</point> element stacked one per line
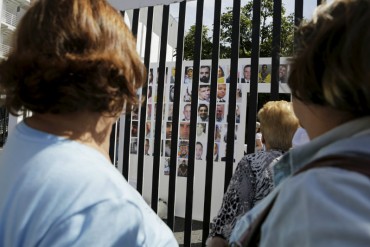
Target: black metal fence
<point>252,104</point>
<point>4,120</point>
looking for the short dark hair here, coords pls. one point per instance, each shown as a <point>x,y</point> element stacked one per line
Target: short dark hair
<point>71,56</point>
<point>246,66</point>
<point>202,105</point>
<point>331,64</point>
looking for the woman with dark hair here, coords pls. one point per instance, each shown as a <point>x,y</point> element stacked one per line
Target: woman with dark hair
<point>74,66</point>
<point>324,198</point>
<point>220,75</point>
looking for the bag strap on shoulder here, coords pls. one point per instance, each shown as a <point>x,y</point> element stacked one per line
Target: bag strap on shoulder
<point>351,161</point>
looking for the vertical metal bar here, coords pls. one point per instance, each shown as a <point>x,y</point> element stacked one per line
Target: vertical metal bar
<point>148,41</point>
<point>175,117</point>
<point>193,121</point>
<point>298,12</point>
<point>298,16</point>
<point>211,121</point>
<point>158,118</point>
<point>127,134</point>
<point>112,144</point>
<point>276,31</point>
<point>252,104</point>
<point>232,93</point>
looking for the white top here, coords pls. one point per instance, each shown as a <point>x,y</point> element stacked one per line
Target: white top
<point>323,206</point>
<point>58,192</point>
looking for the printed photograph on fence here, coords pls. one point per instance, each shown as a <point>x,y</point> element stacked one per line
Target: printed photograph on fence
<point>246,74</point>
<point>200,151</point>
<point>221,74</point>
<point>222,92</point>
<point>202,132</point>
<point>221,113</point>
<point>283,73</point>
<point>134,145</point>
<point>171,93</point>
<point>186,92</point>
<point>182,170</point>
<point>204,93</point>
<point>264,73</point>
<point>188,75</point>
<point>184,130</point>
<point>134,128</point>
<point>166,168</point>
<point>218,132</point>
<point>183,151</point>
<point>167,148</point>
<point>204,74</point>
<point>186,111</point>
<point>168,130</point>
<point>203,111</point>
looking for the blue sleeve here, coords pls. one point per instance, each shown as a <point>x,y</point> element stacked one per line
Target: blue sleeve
<point>108,223</point>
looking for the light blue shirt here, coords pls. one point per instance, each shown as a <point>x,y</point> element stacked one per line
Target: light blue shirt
<point>58,192</point>
<point>319,207</point>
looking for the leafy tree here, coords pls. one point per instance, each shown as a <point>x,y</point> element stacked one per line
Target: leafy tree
<point>287,31</point>
<point>189,44</point>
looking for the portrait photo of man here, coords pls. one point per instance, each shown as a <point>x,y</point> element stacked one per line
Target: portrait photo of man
<point>184,130</point>
<point>186,112</point>
<point>204,94</point>
<point>283,73</point>
<point>203,113</point>
<point>264,75</point>
<point>220,112</point>
<point>221,92</point>
<point>183,168</point>
<point>199,151</point>
<point>183,151</point>
<point>246,74</point>
<point>204,73</point>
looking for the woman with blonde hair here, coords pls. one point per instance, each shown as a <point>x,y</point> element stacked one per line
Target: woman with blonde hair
<point>249,184</point>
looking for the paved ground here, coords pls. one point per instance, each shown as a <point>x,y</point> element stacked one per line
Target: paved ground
<point>196,236</point>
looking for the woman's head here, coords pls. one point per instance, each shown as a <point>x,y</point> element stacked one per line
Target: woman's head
<point>72,56</point>
<point>221,72</point>
<point>278,124</point>
<point>331,66</point>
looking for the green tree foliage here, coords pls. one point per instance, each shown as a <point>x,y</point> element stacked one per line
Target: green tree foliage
<point>189,44</point>
<point>287,31</point>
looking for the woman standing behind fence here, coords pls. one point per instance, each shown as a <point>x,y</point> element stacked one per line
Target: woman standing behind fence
<point>249,184</point>
<point>74,66</point>
<point>330,82</point>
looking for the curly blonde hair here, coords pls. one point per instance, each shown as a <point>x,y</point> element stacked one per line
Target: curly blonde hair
<point>278,124</point>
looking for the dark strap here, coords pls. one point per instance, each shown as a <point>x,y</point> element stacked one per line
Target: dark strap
<point>351,162</point>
